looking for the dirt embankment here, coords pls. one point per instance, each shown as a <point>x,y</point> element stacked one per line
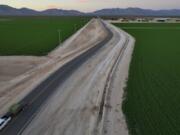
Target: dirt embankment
<point>13,66</point>
<point>20,74</point>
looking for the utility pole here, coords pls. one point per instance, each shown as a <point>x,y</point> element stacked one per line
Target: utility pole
<point>75,27</point>
<point>59,34</point>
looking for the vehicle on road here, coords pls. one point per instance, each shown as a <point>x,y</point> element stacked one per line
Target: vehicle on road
<point>17,108</point>
<point>13,111</point>
<point>4,121</point>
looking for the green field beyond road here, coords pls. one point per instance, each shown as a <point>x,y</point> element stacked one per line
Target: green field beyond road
<point>152,105</point>
<point>35,35</point>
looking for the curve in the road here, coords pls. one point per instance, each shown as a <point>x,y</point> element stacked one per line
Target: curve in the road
<point>42,92</point>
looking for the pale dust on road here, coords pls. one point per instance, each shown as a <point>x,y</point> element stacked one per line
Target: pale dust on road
<point>80,106</point>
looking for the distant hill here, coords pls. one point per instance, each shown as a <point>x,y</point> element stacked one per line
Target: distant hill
<point>60,12</point>
<point>137,12</point>
<point>7,10</point>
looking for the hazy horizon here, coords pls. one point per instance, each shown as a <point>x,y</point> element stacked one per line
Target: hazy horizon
<point>92,5</point>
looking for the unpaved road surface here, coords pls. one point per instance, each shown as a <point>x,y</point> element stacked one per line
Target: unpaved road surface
<point>89,101</point>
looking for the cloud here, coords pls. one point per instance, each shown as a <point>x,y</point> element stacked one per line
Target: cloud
<point>52,6</point>
<point>83,0</point>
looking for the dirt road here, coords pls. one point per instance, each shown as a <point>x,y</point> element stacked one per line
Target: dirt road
<point>89,101</point>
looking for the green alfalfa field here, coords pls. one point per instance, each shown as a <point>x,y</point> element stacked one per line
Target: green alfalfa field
<point>152,96</point>
<point>35,35</point>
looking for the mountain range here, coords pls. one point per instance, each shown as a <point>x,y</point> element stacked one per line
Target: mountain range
<point>11,11</point>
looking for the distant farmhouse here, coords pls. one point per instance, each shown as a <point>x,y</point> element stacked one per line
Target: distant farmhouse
<point>146,20</point>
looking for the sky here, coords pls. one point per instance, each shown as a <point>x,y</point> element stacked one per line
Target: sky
<point>92,5</point>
